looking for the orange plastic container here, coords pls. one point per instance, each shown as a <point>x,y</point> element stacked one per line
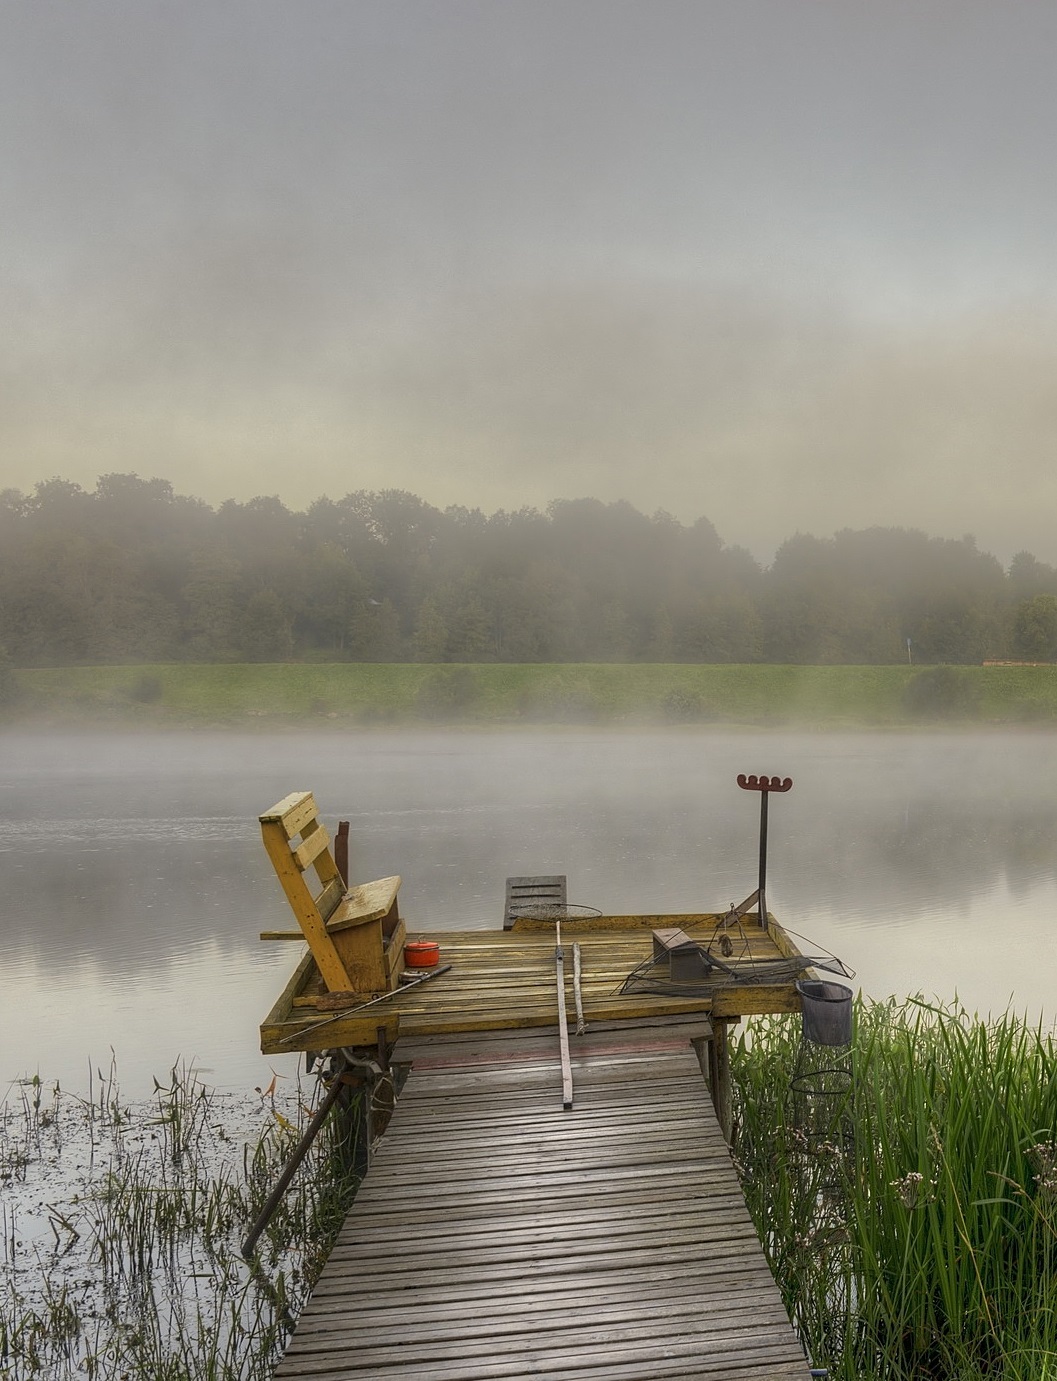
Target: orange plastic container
<point>421,954</point>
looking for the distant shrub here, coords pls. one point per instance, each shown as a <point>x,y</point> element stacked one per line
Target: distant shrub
<point>575,704</point>
<point>448,694</point>
<point>942,692</point>
<point>9,687</point>
<point>682,706</point>
<point>146,689</point>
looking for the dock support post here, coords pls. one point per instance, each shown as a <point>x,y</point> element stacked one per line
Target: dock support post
<point>354,1111</point>
<point>719,1074</point>
<point>702,1047</point>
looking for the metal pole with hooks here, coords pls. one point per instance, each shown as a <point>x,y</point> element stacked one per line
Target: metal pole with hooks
<point>764,785</point>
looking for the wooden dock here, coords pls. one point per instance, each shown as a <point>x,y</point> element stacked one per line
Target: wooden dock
<point>498,1236</point>
<point>543,1203</point>
<point>503,978</point>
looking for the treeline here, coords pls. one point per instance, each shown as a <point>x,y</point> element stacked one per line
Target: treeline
<point>133,572</point>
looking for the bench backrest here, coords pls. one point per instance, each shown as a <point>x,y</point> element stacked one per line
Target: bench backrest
<point>355,934</point>
<point>298,844</point>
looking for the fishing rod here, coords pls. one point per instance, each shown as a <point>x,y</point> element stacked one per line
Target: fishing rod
<point>349,1011</point>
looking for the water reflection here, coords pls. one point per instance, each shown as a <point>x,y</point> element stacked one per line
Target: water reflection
<point>134,882</point>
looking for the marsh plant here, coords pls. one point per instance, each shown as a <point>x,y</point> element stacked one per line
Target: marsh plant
<point>122,1223</point>
<point>924,1243</point>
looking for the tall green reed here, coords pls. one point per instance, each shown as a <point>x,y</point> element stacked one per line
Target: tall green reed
<point>940,1258</point>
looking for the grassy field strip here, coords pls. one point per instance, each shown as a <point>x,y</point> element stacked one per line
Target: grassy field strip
<point>490,693</point>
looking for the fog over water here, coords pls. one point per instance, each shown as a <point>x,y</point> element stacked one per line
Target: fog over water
<point>134,882</point>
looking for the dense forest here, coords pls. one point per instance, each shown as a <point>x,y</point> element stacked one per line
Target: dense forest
<point>133,572</point>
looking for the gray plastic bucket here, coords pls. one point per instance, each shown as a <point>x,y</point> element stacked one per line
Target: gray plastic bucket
<point>826,1011</point>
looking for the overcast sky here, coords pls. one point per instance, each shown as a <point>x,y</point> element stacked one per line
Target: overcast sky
<point>789,264</point>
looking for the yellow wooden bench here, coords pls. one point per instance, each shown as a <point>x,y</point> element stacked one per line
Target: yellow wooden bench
<point>355,934</point>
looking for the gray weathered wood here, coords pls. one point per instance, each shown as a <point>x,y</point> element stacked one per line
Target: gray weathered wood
<point>527,896</point>
<point>497,1236</point>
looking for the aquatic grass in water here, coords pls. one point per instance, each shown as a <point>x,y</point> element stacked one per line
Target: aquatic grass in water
<point>925,1245</point>
<point>122,1226</point>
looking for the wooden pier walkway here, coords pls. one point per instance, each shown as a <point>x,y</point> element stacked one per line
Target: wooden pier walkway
<point>498,1236</point>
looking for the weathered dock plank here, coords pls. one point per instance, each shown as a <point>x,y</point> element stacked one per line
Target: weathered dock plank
<point>506,980</point>
<point>498,1236</point>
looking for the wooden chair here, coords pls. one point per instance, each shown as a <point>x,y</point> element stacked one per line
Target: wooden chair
<point>529,896</point>
<point>355,934</point>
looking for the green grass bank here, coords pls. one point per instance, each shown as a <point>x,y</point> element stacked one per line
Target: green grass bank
<point>276,695</point>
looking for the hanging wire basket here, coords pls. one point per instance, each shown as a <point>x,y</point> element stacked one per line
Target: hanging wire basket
<point>827,1013</point>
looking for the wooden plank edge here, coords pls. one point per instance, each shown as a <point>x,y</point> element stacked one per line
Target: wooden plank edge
<point>283,1005</point>
<point>286,1038</point>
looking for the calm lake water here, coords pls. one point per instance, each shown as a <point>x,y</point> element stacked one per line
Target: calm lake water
<point>133,882</point>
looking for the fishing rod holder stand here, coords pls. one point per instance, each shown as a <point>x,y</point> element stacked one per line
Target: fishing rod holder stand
<point>764,785</point>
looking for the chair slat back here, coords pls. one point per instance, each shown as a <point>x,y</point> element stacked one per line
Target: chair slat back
<point>298,843</point>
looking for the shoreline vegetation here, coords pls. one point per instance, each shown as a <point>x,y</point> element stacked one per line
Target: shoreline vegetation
<point>904,1189</point>
<point>366,694</point>
<point>122,1221</point>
